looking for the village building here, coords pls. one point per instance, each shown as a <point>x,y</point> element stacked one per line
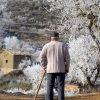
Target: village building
<point>9,60</point>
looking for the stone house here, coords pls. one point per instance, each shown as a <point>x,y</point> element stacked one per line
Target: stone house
<point>10,60</point>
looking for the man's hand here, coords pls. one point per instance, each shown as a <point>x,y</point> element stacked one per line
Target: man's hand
<point>66,71</point>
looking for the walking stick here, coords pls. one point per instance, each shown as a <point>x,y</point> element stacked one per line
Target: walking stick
<point>39,86</point>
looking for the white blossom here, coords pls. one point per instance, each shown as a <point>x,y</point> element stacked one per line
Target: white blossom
<point>11,43</point>
<point>84,56</point>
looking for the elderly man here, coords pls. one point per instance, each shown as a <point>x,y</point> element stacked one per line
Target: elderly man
<point>55,59</point>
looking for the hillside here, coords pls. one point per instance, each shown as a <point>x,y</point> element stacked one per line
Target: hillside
<point>30,19</point>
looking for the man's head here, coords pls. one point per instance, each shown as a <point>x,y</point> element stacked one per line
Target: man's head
<point>54,36</point>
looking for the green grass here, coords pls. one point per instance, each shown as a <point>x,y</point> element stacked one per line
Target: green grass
<point>23,86</point>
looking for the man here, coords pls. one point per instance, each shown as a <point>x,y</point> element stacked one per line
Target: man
<point>55,59</point>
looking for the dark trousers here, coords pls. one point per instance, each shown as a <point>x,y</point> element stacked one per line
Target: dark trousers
<point>60,77</point>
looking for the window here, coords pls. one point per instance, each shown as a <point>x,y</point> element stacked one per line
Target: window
<point>6,61</point>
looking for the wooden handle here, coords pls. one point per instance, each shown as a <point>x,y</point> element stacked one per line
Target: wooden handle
<point>39,86</point>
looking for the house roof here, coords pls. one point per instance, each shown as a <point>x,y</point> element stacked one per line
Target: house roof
<point>17,52</point>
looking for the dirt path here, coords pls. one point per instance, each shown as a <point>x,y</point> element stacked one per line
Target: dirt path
<point>22,97</point>
<point>92,96</point>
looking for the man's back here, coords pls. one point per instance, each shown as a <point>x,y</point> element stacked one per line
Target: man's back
<point>55,54</point>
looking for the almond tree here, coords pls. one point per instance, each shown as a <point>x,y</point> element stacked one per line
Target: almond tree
<point>79,22</point>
